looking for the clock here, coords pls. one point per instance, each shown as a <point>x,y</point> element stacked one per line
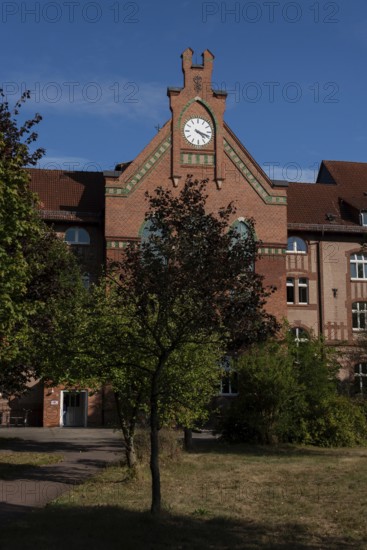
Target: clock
<point>198,131</point>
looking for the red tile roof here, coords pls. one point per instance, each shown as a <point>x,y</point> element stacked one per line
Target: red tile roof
<point>312,204</point>
<point>68,191</point>
<point>348,174</point>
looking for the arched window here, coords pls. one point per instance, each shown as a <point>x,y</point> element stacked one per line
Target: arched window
<point>149,230</point>
<point>358,266</point>
<point>77,235</point>
<point>360,379</point>
<point>296,245</point>
<point>241,230</point>
<point>301,335</point>
<point>359,313</point>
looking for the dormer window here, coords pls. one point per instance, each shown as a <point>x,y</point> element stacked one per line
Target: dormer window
<point>364,219</point>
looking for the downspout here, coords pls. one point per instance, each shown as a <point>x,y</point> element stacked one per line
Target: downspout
<point>319,290</point>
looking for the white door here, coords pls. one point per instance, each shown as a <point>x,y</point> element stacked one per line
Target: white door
<point>74,408</point>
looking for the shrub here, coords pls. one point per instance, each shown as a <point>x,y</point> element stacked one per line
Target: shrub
<point>289,393</point>
<point>339,422</point>
<point>268,393</point>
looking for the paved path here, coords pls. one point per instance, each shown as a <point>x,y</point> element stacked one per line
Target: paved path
<point>85,451</point>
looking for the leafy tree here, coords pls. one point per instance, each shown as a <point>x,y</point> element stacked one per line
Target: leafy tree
<point>174,305</point>
<point>18,218</point>
<point>37,271</point>
<point>98,342</point>
<point>187,293</point>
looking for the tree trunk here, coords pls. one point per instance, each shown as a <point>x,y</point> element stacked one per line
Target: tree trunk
<point>128,433</point>
<point>130,451</point>
<point>154,452</point>
<point>187,439</point>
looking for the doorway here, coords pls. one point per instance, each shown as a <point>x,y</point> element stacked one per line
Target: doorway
<point>74,409</point>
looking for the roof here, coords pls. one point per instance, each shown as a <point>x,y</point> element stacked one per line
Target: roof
<point>60,191</point>
<point>334,200</point>
<point>347,174</point>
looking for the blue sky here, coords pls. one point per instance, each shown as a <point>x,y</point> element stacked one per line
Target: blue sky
<point>295,73</point>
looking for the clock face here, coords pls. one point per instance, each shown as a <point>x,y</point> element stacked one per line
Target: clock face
<point>198,131</point>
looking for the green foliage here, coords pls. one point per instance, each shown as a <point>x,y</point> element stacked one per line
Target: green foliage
<point>37,273</point>
<point>175,303</point>
<point>288,392</point>
<point>267,394</point>
<point>338,422</point>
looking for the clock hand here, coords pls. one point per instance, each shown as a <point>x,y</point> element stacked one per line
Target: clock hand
<point>201,133</point>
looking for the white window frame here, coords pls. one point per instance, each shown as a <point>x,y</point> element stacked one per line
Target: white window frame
<point>228,371</point>
<point>297,331</point>
<point>359,312</point>
<point>361,377</point>
<point>303,285</point>
<point>294,242</point>
<point>354,260</point>
<point>291,283</point>
<point>364,219</point>
<point>77,231</point>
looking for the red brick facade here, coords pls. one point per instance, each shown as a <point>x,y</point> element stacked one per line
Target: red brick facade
<point>232,173</point>
<point>111,207</point>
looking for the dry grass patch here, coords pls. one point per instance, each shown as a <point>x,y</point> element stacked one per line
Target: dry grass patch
<point>14,464</point>
<point>219,496</point>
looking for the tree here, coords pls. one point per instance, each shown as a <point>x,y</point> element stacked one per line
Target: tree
<point>176,303</point>
<point>98,343</point>
<point>188,291</point>
<point>38,273</point>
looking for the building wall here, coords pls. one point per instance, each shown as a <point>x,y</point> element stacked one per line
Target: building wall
<point>100,407</point>
<point>233,176</point>
<point>338,292</point>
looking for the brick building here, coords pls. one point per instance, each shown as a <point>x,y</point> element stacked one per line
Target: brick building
<point>311,251</point>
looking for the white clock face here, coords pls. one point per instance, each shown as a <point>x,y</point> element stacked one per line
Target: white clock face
<point>198,131</point>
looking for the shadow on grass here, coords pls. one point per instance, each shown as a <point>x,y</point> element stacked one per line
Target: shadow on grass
<point>74,446</point>
<point>60,527</point>
<point>211,445</point>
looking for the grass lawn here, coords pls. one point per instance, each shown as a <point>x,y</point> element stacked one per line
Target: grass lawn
<point>218,496</point>
<point>13,464</point>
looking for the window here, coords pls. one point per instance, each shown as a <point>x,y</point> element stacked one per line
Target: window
<point>229,382</point>
<point>358,266</point>
<point>303,291</point>
<point>300,335</point>
<point>296,245</point>
<point>150,230</point>
<point>359,312</point>
<point>360,379</point>
<point>290,290</point>
<point>77,235</point>
<point>364,218</point>
<point>302,285</point>
<point>241,229</point>
<point>86,280</point>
